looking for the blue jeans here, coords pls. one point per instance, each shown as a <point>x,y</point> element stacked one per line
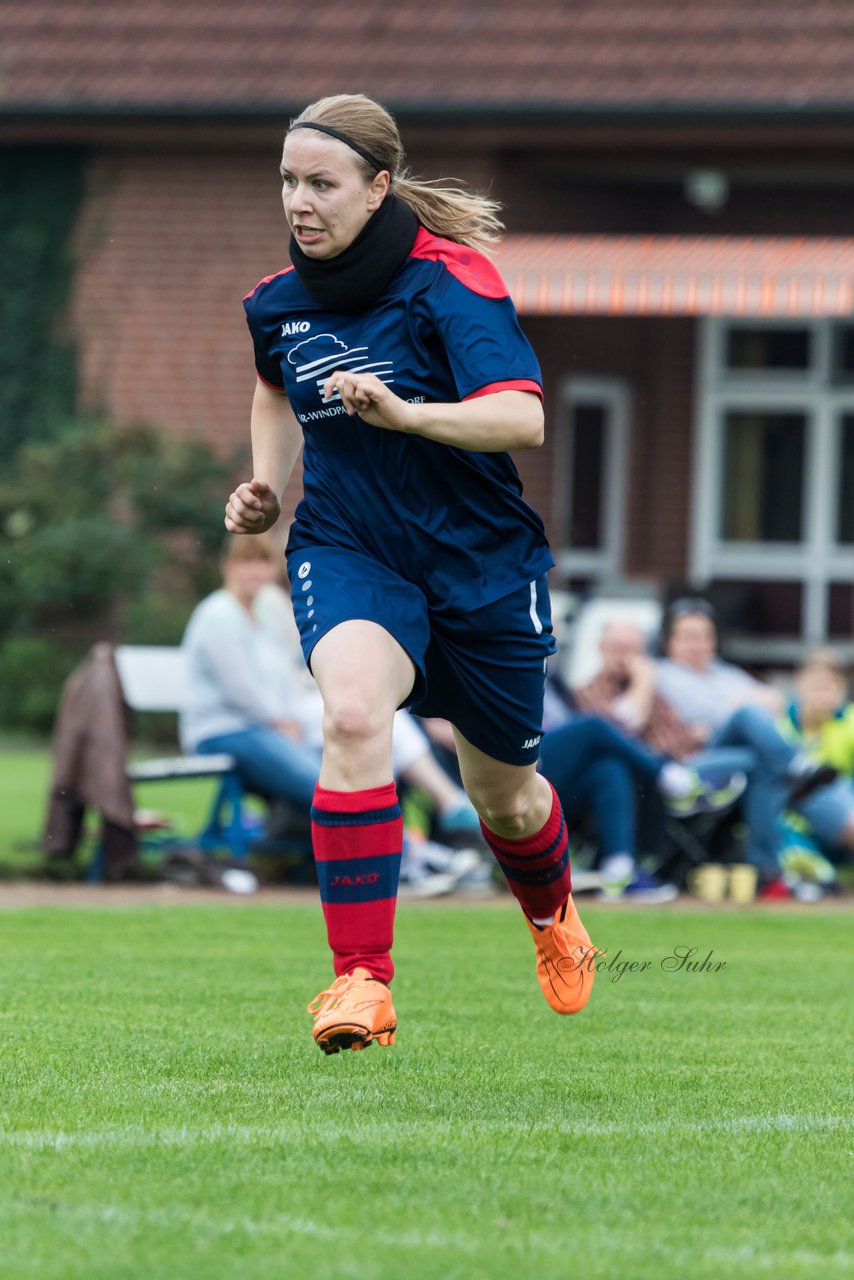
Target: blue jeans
<point>595,769</point>
<point>829,810</point>
<point>270,763</point>
<point>751,742</point>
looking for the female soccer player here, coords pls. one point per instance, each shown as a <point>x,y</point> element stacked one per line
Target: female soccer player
<point>418,573</point>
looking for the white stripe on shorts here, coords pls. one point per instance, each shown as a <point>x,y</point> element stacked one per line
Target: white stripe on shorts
<point>535,617</point>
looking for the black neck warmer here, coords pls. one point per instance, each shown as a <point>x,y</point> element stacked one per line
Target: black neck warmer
<point>358,277</point>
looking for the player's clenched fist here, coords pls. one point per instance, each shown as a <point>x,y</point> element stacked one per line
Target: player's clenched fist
<point>252,508</point>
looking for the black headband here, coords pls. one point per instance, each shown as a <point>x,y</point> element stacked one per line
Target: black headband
<point>342,137</point>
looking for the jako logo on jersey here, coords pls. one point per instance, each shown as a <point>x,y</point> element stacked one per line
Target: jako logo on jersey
<point>304,570</point>
<point>336,881</point>
<point>295,326</point>
<point>531,742</point>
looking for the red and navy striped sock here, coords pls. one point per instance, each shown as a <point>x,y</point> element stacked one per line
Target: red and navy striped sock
<point>537,867</point>
<point>358,840</point>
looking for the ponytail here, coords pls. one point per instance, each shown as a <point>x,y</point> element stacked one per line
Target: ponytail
<point>451,211</point>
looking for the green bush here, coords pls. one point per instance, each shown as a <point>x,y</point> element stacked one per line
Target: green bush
<point>108,534</point>
<point>32,672</point>
<point>75,566</point>
<point>41,189</point>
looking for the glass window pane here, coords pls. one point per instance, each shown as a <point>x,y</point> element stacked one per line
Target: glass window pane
<point>840,621</point>
<point>845,509</point>
<point>763,477</point>
<point>843,354</point>
<point>587,465</point>
<point>755,349</point>
<point>756,607</point>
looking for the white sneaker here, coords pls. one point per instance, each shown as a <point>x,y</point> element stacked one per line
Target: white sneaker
<point>466,862</point>
<point>426,884</point>
<point>236,880</point>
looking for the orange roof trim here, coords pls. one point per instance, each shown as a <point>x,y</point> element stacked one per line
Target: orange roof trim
<point>678,275</point>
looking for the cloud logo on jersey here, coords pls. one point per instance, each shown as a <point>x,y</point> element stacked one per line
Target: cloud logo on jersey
<point>316,358</point>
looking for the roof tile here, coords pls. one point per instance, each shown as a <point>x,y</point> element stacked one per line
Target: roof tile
<point>273,54</point>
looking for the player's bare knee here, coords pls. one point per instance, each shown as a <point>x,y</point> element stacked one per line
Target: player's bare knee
<point>505,813</point>
<point>352,723</point>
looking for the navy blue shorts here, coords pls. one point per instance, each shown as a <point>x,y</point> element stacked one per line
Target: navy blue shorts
<point>484,670</point>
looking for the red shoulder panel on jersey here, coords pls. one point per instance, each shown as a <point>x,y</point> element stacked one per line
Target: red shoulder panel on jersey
<point>520,384</point>
<point>471,268</point>
<point>266,280</point>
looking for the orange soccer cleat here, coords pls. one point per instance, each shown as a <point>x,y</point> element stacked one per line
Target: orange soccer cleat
<point>566,959</point>
<point>353,1012</point>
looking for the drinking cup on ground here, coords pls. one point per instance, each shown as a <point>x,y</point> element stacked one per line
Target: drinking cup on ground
<point>708,882</point>
<point>742,883</point>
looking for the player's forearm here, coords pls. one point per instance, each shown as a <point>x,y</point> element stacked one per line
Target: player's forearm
<point>487,424</point>
<point>276,438</point>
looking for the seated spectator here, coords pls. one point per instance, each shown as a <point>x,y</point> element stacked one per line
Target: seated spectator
<point>820,719</point>
<point>243,697</point>
<point>692,678</point>
<point>820,723</point>
<point>597,771</point>
<point>708,714</point>
<point>623,691</point>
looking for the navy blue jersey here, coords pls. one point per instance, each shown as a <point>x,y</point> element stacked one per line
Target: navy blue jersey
<point>453,521</point>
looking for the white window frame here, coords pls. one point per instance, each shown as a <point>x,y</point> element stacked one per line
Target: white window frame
<point>605,563</point>
<point>817,560</point>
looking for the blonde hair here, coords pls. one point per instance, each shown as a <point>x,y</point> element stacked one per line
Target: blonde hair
<point>824,659</point>
<point>240,548</point>
<point>444,208</point>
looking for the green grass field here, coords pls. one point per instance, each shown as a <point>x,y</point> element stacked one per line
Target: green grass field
<point>164,1112</point>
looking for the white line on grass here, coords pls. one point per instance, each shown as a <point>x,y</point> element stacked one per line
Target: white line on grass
<point>190,1136</point>
<point>277,1224</point>
<point>280,1224</point>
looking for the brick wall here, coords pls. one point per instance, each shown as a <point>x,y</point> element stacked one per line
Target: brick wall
<point>168,246</point>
